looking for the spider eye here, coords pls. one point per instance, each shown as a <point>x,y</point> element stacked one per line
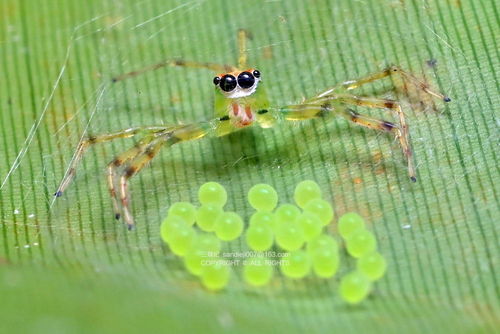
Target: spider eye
<point>256,74</point>
<point>228,83</point>
<point>246,80</point>
<point>216,81</point>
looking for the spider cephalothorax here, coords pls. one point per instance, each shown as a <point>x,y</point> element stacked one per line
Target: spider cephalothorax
<point>237,96</point>
<point>238,104</point>
<point>238,84</point>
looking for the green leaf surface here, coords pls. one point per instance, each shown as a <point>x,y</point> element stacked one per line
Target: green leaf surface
<point>67,267</point>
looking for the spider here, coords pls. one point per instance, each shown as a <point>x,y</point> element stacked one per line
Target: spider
<point>241,101</point>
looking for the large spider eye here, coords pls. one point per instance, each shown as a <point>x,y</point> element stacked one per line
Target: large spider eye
<point>216,81</point>
<point>228,83</point>
<point>256,73</point>
<point>246,80</point>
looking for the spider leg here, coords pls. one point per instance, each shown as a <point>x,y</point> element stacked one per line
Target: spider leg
<point>330,106</point>
<point>386,126</point>
<point>390,71</point>
<point>86,143</point>
<point>136,164</point>
<point>243,35</point>
<point>402,133</point>
<point>176,62</point>
<point>214,128</point>
<point>119,161</point>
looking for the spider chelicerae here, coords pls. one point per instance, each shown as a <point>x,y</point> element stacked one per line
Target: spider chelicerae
<point>241,101</point>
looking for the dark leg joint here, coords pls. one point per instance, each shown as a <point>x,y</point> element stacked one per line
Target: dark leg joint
<point>446,99</point>
<point>58,193</point>
<point>388,125</point>
<point>325,110</point>
<point>354,115</point>
<point>225,118</point>
<point>130,171</point>
<point>413,179</point>
<point>150,153</point>
<point>117,216</point>
<point>390,104</point>
<point>179,62</point>
<point>424,86</point>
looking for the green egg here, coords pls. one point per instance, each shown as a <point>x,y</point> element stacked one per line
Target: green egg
<point>263,197</point>
<point>228,226</point>
<point>257,271</point>
<point>350,222</point>
<point>212,193</point>
<point>361,242</point>
<point>321,208</point>
<point>215,276</point>
<point>306,191</point>
<point>354,287</point>
<point>206,216</point>
<point>296,265</point>
<point>185,210</point>
<point>372,265</point>
<point>259,236</point>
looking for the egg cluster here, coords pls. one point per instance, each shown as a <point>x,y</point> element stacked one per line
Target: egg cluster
<point>295,234</point>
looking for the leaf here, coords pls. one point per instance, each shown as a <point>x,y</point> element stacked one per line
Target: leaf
<point>67,266</point>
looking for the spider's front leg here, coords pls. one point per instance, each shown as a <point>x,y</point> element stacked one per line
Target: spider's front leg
<point>118,162</point>
<point>243,36</point>
<point>339,96</point>
<point>391,71</point>
<point>175,62</point>
<point>214,128</point>
<point>92,140</point>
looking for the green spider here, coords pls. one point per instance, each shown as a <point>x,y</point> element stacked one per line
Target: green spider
<point>241,101</point>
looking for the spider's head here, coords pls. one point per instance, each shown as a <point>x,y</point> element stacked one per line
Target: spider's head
<point>238,84</point>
